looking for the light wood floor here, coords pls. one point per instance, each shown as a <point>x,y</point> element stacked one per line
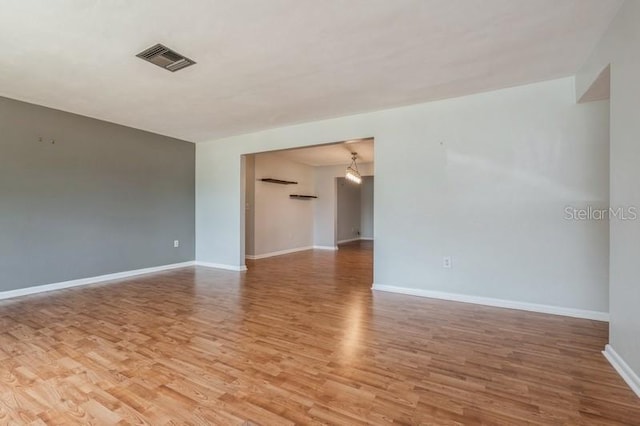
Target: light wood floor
<point>298,339</point>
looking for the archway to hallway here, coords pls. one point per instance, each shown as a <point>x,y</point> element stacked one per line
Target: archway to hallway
<point>297,202</point>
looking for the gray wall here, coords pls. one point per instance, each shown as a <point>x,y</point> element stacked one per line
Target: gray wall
<point>348,210</point>
<point>103,199</point>
<point>366,207</point>
<point>355,209</point>
<point>250,204</point>
<point>325,214</point>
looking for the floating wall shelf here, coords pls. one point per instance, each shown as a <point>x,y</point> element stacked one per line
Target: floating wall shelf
<point>302,197</point>
<point>279,181</point>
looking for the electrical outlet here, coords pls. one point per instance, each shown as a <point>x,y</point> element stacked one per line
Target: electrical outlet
<point>446,262</point>
<point>176,243</point>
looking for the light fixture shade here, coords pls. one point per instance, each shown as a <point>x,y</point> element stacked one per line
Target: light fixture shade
<point>353,175</point>
<point>352,172</point>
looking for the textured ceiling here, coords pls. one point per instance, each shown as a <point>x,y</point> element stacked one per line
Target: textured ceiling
<point>332,155</point>
<point>263,64</point>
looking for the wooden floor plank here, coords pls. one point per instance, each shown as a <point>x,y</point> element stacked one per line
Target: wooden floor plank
<point>298,339</point>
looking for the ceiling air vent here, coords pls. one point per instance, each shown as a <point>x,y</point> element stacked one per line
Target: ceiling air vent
<point>165,58</point>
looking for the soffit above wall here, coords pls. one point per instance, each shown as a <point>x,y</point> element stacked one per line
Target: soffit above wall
<point>332,155</point>
<point>600,89</point>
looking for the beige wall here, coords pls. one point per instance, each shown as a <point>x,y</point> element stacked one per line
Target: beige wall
<point>280,222</point>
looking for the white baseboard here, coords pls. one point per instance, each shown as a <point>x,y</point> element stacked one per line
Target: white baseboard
<point>277,253</point>
<point>500,303</point>
<point>288,251</point>
<point>236,268</point>
<point>349,240</point>
<point>90,280</point>
<point>623,369</point>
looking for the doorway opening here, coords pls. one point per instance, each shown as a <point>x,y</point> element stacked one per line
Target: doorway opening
<point>298,200</point>
<point>355,210</point>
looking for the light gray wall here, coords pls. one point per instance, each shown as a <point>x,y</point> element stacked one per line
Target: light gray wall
<point>348,210</point>
<point>103,199</point>
<point>366,208</point>
<point>619,47</point>
<point>282,223</point>
<point>484,179</point>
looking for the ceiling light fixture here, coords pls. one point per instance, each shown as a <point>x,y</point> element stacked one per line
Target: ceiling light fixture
<point>352,172</point>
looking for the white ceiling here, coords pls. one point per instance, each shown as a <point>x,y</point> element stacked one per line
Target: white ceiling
<point>263,64</point>
<point>331,155</point>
